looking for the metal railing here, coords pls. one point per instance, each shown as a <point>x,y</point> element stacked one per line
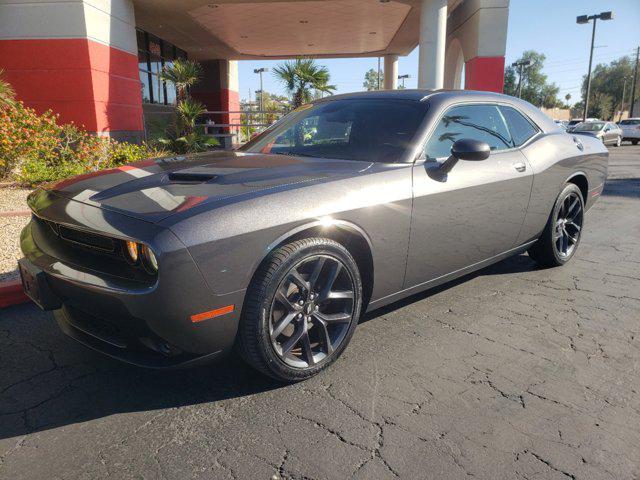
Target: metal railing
<point>231,127</point>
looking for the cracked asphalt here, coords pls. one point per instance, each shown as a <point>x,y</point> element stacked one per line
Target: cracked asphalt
<point>512,372</point>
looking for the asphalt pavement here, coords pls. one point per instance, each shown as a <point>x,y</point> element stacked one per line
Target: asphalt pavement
<point>512,372</point>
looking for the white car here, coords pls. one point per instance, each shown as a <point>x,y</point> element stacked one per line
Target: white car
<point>630,129</point>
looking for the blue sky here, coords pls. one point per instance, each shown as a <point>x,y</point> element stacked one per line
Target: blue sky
<point>547,26</point>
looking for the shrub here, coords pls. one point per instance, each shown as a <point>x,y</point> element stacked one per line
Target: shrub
<point>35,149</point>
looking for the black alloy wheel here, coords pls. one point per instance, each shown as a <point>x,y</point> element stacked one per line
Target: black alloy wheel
<point>301,309</point>
<point>568,225</point>
<point>561,236</point>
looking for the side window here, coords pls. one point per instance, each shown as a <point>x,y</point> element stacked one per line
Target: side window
<point>478,122</point>
<point>521,128</point>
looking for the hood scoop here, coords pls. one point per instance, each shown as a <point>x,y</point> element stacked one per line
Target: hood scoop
<point>186,176</point>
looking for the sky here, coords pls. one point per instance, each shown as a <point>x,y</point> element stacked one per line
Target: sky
<point>547,26</point>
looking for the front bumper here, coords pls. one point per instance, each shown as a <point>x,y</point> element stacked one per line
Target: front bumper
<point>146,323</point>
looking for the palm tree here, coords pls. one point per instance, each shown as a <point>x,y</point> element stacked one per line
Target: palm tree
<point>183,74</point>
<point>301,76</point>
<point>7,93</point>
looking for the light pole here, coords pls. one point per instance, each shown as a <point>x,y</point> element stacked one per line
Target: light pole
<point>582,19</point>
<point>520,65</point>
<point>633,85</point>
<point>260,71</point>
<point>403,78</point>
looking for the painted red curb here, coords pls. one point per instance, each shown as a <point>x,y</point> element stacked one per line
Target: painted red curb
<point>11,293</point>
<point>16,213</point>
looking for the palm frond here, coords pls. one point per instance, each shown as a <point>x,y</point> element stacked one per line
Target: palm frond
<point>7,93</point>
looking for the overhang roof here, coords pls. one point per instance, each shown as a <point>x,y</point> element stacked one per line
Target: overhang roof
<point>240,30</point>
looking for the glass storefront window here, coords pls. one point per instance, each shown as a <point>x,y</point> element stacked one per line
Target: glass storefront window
<point>153,54</point>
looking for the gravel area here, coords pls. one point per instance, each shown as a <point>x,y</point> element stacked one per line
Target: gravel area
<point>10,246</point>
<point>11,199</point>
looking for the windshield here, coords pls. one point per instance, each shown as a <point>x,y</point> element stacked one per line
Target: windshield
<point>590,127</point>
<point>630,122</point>
<point>372,130</point>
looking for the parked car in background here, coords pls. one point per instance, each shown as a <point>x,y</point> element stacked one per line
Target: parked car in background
<point>562,123</point>
<point>572,123</point>
<point>608,132</point>
<point>343,206</point>
<point>630,130</point>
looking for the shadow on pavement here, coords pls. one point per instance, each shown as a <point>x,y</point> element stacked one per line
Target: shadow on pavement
<point>622,187</point>
<point>49,381</point>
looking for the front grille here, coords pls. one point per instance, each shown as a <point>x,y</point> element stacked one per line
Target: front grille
<point>87,239</point>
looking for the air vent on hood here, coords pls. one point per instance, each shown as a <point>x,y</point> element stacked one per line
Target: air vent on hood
<point>191,177</point>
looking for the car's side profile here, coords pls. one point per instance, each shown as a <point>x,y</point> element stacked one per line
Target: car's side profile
<point>607,132</point>
<point>630,129</point>
<point>341,207</point>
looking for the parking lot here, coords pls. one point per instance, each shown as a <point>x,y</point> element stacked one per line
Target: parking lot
<point>512,372</point>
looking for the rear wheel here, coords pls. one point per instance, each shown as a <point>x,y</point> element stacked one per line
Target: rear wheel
<point>561,236</point>
<point>634,142</point>
<point>301,310</point>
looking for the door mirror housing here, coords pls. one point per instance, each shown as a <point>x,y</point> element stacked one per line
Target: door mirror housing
<point>469,149</point>
<point>465,149</point>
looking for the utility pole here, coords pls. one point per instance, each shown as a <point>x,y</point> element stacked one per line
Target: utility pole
<point>633,87</point>
<point>582,19</point>
<point>624,91</point>
<point>378,75</point>
<point>260,71</point>
<point>520,65</point>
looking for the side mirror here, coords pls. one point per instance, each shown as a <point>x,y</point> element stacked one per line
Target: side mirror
<point>468,149</point>
<point>465,149</point>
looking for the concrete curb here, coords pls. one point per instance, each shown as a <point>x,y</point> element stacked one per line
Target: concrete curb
<point>11,293</point>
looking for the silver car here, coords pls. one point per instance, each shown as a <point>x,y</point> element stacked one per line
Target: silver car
<point>607,132</point>
<point>343,206</point>
<point>630,130</point>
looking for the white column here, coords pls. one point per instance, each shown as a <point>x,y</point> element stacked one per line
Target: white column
<point>390,72</point>
<point>433,34</point>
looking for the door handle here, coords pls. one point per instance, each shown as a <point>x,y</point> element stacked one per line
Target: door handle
<point>520,166</point>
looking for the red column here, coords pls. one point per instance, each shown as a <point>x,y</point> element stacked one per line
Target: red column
<point>86,82</point>
<point>484,73</point>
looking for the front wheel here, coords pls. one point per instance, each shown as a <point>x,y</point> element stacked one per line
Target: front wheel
<point>618,141</point>
<point>301,310</point>
<point>561,236</point>
<point>634,142</point>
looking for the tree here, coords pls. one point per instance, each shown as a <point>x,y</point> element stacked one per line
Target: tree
<point>535,88</point>
<point>301,76</point>
<point>373,80</point>
<point>183,74</point>
<point>606,87</point>
<point>182,136</point>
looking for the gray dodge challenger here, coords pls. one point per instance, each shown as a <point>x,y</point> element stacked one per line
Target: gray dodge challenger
<point>277,249</point>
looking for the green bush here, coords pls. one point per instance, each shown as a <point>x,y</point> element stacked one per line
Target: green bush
<point>35,148</point>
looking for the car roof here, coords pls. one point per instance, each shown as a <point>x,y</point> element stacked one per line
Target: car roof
<point>448,97</point>
<point>418,95</point>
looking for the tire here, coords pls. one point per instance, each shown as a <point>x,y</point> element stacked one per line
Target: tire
<point>273,316</point>
<point>618,142</point>
<point>561,236</point>
<point>634,142</point>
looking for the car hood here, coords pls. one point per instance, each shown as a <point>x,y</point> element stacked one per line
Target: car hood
<point>153,190</point>
<point>591,134</point>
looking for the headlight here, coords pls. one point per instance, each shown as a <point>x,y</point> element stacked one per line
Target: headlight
<point>149,259</point>
<point>132,251</point>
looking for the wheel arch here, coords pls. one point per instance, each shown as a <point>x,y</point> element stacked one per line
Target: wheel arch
<point>580,180</point>
<point>348,234</point>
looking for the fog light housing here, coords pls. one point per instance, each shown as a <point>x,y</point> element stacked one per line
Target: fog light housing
<point>149,259</point>
<point>132,251</point>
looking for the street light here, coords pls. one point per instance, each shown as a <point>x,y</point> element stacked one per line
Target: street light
<point>582,19</point>
<point>260,71</point>
<point>403,78</point>
<point>521,64</point>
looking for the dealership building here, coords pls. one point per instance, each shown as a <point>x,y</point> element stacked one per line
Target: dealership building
<point>96,62</point>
